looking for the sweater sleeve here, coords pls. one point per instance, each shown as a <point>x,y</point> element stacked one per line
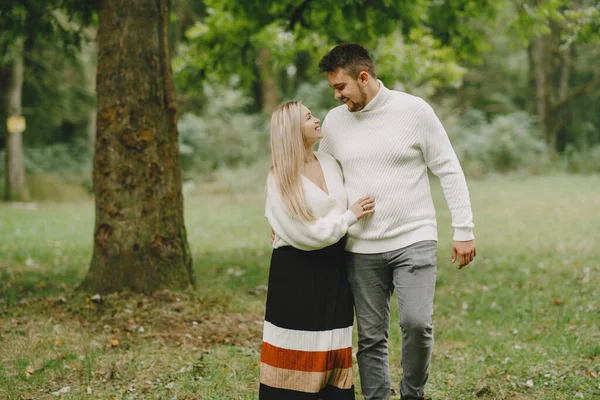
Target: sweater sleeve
<point>317,234</point>
<point>443,162</point>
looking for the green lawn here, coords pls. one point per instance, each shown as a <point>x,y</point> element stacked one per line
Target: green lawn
<point>522,322</point>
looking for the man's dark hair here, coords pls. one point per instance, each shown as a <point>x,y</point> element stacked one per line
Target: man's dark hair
<point>351,57</point>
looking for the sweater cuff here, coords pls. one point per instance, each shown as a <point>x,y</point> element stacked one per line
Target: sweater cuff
<point>349,217</point>
<point>463,235</point>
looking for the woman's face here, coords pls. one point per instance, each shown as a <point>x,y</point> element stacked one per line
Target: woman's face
<point>311,127</point>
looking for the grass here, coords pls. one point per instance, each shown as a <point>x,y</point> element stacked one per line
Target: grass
<point>522,322</point>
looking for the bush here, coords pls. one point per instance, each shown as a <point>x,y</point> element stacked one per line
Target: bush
<point>583,162</point>
<point>63,165</point>
<point>507,143</point>
<point>223,135</point>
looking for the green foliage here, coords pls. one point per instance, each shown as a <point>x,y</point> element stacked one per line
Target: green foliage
<point>459,25</point>
<point>506,143</point>
<point>227,41</point>
<point>419,60</point>
<point>59,20</point>
<point>222,135</point>
<point>579,21</point>
<point>585,161</point>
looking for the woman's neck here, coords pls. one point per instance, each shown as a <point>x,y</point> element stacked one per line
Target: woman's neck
<point>309,155</point>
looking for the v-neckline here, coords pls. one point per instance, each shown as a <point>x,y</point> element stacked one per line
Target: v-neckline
<point>325,192</point>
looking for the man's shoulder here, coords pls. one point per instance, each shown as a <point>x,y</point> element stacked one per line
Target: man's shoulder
<point>406,100</point>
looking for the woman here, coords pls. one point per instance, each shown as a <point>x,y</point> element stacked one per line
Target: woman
<point>307,337</point>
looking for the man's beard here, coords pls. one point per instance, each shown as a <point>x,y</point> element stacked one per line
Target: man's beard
<point>359,105</point>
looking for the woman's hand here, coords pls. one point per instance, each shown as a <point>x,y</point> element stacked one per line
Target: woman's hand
<point>363,206</point>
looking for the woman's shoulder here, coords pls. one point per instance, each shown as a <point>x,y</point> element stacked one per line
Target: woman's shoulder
<point>322,156</point>
<point>328,161</point>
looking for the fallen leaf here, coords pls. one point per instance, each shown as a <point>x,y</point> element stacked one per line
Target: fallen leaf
<point>66,389</point>
<point>529,383</point>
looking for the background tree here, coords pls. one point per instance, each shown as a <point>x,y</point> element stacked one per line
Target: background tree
<point>16,189</point>
<point>559,34</point>
<point>22,25</point>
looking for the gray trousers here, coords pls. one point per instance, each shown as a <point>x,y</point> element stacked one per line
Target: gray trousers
<point>411,271</point>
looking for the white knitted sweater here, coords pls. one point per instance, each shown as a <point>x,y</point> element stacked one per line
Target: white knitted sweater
<point>384,151</point>
<point>332,216</point>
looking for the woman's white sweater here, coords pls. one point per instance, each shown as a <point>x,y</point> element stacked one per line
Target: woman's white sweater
<point>332,215</point>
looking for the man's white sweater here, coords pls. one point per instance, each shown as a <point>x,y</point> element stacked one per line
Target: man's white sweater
<point>384,151</point>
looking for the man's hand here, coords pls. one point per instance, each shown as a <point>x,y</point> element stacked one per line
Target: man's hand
<point>465,252</point>
<point>272,235</point>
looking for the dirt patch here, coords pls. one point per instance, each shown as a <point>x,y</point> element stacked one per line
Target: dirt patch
<point>170,318</point>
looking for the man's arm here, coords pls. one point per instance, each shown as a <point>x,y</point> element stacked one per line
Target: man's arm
<point>441,159</point>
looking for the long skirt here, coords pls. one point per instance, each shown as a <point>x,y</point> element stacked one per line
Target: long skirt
<point>307,337</point>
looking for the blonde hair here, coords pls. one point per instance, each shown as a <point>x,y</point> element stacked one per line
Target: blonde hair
<point>288,152</point>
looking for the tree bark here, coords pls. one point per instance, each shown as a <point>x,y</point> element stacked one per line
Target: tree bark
<point>16,187</point>
<point>268,83</point>
<point>91,127</point>
<point>89,56</point>
<point>140,241</point>
<point>542,65</point>
<point>560,109</point>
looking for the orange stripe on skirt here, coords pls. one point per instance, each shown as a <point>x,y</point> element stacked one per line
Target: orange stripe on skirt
<point>308,361</point>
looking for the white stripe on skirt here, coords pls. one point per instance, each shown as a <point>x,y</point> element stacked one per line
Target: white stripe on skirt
<point>290,339</point>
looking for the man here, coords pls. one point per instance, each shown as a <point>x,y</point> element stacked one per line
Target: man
<point>384,141</point>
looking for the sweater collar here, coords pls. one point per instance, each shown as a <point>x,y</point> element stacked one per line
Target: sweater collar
<point>379,100</point>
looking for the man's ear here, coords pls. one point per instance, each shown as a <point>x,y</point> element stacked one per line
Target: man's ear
<point>363,78</point>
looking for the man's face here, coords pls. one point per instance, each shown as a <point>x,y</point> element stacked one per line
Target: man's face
<point>348,90</point>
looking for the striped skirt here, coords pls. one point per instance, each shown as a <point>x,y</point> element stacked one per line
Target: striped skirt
<point>307,336</point>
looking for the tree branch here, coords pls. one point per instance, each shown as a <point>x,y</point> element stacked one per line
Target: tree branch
<point>298,14</point>
<point>579,91</point>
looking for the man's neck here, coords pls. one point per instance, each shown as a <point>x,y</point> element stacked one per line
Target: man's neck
<point>373,88</point>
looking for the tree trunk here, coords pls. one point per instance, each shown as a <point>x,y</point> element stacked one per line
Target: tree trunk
<point>89,57</point>
<point>91,127</point>
<point>16,188</point>
<point>542,64</point>
<point>560,109</point>
<point>531,81</point>
<point>140,241</point>
<point>268,83</point>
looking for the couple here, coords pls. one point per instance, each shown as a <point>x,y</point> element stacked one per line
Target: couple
<point>328,258</point>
